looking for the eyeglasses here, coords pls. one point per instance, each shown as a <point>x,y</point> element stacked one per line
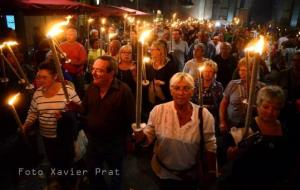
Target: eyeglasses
<point>126,52</point>
<point>98,71</point>
<point>183,88</point>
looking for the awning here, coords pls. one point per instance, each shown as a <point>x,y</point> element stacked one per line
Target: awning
<point>109,10</point>
<point>134,11</point>
<point>45,7</point>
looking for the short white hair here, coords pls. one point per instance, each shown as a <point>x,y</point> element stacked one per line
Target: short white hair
<point>181,76</point>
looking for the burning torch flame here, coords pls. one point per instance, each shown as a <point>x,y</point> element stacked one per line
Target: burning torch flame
<point>90,20</point>
<point>111,35</point>
<point>55,30</point>
<point>146,60</point>
<point>10,43</point>
<point>201,68</point>
<point>12,100</point>
<point>257,46</point>
<point>103,21</point>
<point>144,35</point>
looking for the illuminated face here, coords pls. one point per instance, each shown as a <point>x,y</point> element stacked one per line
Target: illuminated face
<point>126,55</point>
<point>208,73</point>
<point>268,111</point>
<point>243,72</point>
<point>198,53</point>
<point>181,92</point>
<point>71,35</point>
<point>155,53</point>
<point>45,79</point>
<point>176,35</point>
<point>100,74</point>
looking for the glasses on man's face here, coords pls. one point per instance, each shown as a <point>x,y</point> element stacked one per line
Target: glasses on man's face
<point>98,71</point>
<point>185,89</point>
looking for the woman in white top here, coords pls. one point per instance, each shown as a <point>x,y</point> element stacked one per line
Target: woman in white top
<point>175,126</point>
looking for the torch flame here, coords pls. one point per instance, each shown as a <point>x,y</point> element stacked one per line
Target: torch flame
<point>111,35</point>
<point>146,60</point>
<point>55,30</point>
<point>103,21</point>
<point>174,16</point>
<point>201,68</point>
<point>256,46</point>
<point>10,43</point>
<point>12,100</point>
<point>144,35</point>
<point>90,20</point>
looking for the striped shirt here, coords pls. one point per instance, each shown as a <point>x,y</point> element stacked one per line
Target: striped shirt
<point>45,108</point>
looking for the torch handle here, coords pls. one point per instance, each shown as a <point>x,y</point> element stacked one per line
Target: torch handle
<point>18,65</point>
<point>11,67</point>
<point>59,70</point>
<point>251,100</point>
<point>138,100</point>
<point>16,116</point>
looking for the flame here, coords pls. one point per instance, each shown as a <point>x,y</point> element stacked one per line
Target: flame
<point>256,46</point>
<point>10,43</point>
<point>55,30</point>
<point>174,16</point>
<point>201,68</point>
<point>103,21</point>
<point>111,35</point>
<point>1,46</point>
<point>146,60</point>
<point>144,35</point>
<point>90,20</point>
<point>12,100</point>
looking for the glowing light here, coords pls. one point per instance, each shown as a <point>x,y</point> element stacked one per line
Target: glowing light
<point>256,46</point>
<point>90,20</point>
<point>144,35</point>
<point>55,30</point>
<point>200,69</point>
<point>146,60</point>
<point>12,100</point>
<point>111,35</point>
<point>10,43</point>
<point>103,21</point>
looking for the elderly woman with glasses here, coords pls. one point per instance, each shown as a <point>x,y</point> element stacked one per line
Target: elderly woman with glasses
<point>175,127</point>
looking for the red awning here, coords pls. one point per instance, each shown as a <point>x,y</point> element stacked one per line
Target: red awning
<point>45,7</point>
<point>134,11</point>
<point>109,10</point>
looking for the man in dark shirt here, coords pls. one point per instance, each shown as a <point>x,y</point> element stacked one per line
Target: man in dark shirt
<point>226,64</point>
<point>109,111</point>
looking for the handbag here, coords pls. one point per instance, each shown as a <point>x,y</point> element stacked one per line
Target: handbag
<point>80,146</point>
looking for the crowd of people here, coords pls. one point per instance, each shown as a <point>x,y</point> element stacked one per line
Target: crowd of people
<point>189,114</point>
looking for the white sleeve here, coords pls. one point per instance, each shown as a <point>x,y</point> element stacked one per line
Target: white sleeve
<point>149,131</point>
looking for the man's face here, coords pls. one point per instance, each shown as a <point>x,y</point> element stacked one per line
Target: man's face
<point>100,74</point>
<point>71,35</point>
<point>176,35</point>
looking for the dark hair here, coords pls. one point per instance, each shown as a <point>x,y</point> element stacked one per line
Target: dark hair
<point>48,65</point>
<point>112,66</point>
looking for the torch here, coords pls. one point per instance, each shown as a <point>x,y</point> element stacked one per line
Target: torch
<point>200,87</point>
<point>55,30</point>
<point>138,100</point>
<point>8,45</point>
<point>4,78</point>
<point>258,49</point>
<point>11,102</point>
